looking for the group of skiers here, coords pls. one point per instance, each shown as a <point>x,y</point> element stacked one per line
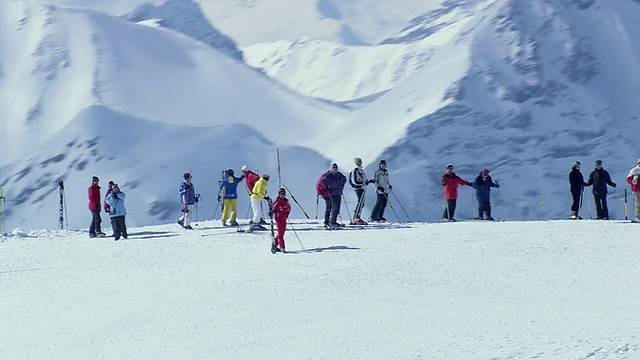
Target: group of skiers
<point>113,205</point>
<point>599,179</point>
<point>330,186</point>
<point>256,187</point>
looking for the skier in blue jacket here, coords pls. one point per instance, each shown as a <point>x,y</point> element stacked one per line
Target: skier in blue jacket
<point>229,190</point>
<point>188,198</point>
<point>115,199</point>
<point>483,184</point>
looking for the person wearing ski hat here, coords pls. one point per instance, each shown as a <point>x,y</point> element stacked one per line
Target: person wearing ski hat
<point>450,181</point>
<point>189,199</point>
<point>229,190</point>
<point>117,212</point>
<point>250,176</point>
<point>324,193</point>
<point>94,207</point>
<point>257,195</point>
<point>577,184</point>
<point>483,184</point>
<point>107,208</point>
<point>600,178</point>
<point>334,182</point>
<point>381,181</point>
<point>358,181</point>
<point>250,180</point>
<point>634,180</point>
<point>281,210</point>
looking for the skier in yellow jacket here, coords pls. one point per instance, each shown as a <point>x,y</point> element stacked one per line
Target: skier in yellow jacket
<point>259,192</point>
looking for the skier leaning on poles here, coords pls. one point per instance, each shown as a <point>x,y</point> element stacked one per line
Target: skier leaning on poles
<point>577,183</point>
<point>381,181</point>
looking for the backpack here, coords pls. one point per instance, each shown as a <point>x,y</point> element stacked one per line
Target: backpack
<point>353,185</point>
<point>319,188</point>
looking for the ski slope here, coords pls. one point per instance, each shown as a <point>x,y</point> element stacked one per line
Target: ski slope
<point>548,290</point>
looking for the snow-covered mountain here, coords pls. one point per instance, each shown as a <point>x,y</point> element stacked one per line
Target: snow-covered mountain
<point>84,93</point>
<point>522,88</point>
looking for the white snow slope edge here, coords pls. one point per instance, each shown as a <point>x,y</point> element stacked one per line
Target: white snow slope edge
<point>492,291</point>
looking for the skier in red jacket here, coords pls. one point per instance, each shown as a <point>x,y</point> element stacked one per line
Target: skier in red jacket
<point>281,210</point>
<point>324,193</point>
<point>94,207</point>
<point>450,181</point>
<point>251,178</point>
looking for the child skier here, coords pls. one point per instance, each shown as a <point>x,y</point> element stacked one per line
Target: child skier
<point>281,210</point>
<point>117,212</point>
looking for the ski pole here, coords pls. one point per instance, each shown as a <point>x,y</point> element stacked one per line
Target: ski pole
<point>626,211</point>
<point>197,200</point>
<point>279,178</point>
<point>2,206</point>
<point>344,199</point>
<point>296,234</point>
<point>64,203</point>
<point>296,201</point>
<point>391,207</point>
<point>401,207</point>
<point>215,210</point>
<point>317,199</point>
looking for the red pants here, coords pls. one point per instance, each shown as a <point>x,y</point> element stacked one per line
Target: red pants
<point>282,226</point>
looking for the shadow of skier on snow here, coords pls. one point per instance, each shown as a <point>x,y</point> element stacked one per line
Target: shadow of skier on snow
<point>324,249</point>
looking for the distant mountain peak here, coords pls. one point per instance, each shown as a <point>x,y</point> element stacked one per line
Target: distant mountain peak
<point>186,17</point>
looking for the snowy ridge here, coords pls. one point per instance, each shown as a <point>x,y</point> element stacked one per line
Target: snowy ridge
<point>461,291</point>
<point>185,17</point>
<point>98,137</point>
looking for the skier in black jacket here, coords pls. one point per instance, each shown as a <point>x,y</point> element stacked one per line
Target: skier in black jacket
<point>600,178</point>
<point>577,188</point>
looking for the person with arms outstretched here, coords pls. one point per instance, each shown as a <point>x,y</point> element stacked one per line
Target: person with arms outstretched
<point>451,181</point>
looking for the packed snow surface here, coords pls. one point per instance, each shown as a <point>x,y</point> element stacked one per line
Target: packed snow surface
<point>548,290</point>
